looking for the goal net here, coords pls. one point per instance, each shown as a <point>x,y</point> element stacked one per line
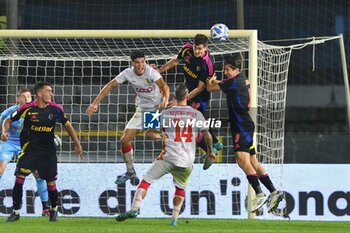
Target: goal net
<point>79,66</point>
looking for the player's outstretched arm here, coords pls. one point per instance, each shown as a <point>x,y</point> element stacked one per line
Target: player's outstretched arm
<point>163,86</point>
<point>5,127</point>
<point>213,84</point>
<point>105,90</point>
<point>74,136</point>
<point>196,91</point>
<point>170,64</point>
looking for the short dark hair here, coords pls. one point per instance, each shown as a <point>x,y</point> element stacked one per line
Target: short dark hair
<point>235,61</point>
<point>136,54</point>
<point>38,86</point>
<point>181,92</point>
<point>22,90</point>
<point>201,39</point>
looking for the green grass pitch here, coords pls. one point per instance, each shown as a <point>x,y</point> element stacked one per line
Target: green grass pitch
<point>101,225</point>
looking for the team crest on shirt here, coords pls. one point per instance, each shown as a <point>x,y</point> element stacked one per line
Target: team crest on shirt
<point>149,81</point>
<point>198,68</point>
<point>50,116</point>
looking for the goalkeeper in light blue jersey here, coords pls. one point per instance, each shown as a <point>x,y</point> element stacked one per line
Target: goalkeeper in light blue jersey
<point>13,145</point>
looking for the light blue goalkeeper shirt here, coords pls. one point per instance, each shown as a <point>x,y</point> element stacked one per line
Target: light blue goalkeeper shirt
<point>15,127</point>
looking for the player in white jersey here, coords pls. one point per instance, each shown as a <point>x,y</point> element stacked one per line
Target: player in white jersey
<point>148,85</point>
<point>178,154</point>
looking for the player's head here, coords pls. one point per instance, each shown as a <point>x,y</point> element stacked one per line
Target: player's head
<point>24,96</point>
<point>43,91</point>
<point>181,92</point>
<point>138,61</point>
<point>200,45</point>
<point>232,65</point>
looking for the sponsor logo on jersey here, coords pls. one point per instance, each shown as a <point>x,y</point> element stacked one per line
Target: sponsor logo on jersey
<point>32,113</point>
<point>33,118</point>
<point>189,72</point>
<point>149,89</point>
<point>41,128</point>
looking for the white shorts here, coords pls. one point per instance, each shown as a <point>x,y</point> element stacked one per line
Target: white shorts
<point>161,167</point>
<point>136,121</point>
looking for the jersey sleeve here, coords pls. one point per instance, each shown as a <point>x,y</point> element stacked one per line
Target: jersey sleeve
<point>183,50</point>
<point>20,113</point>
<point>4,115</point>
<point>61,116</point>
<point>121,78</point>
<point>155,75</point>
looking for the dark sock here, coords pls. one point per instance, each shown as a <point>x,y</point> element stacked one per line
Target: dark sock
<point>53,195</point>
<point>211,131</point>
<point>17,193</point>
<point>44,205</point>
<point>265,179</point>
<point>254,182</point>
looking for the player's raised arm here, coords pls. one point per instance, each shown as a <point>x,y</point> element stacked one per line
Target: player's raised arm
<point>105,90</point>
<point>164,88</point>
<point>196,91</point>
<point>73,135</point>
<point>170,64</point>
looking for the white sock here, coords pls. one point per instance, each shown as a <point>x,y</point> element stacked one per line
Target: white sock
<point>177,207</point>
<point>129,161</point>
<point>138,198</point>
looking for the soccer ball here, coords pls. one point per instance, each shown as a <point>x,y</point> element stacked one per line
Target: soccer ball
<point>219,32</point>
<point>58,141</point>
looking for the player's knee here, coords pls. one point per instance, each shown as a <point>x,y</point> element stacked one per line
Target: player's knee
<point>2,167</point>
<point>144,185</point>
<point>179,192</point>
<point>124,141</point>
<point>51,183</point>
<point>242,159</point>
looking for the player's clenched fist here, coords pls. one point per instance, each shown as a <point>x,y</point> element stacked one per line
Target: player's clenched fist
<point>91,109</point>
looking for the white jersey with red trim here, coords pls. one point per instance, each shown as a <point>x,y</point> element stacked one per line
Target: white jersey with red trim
<point>181,126</point>
<point>147,91</point>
